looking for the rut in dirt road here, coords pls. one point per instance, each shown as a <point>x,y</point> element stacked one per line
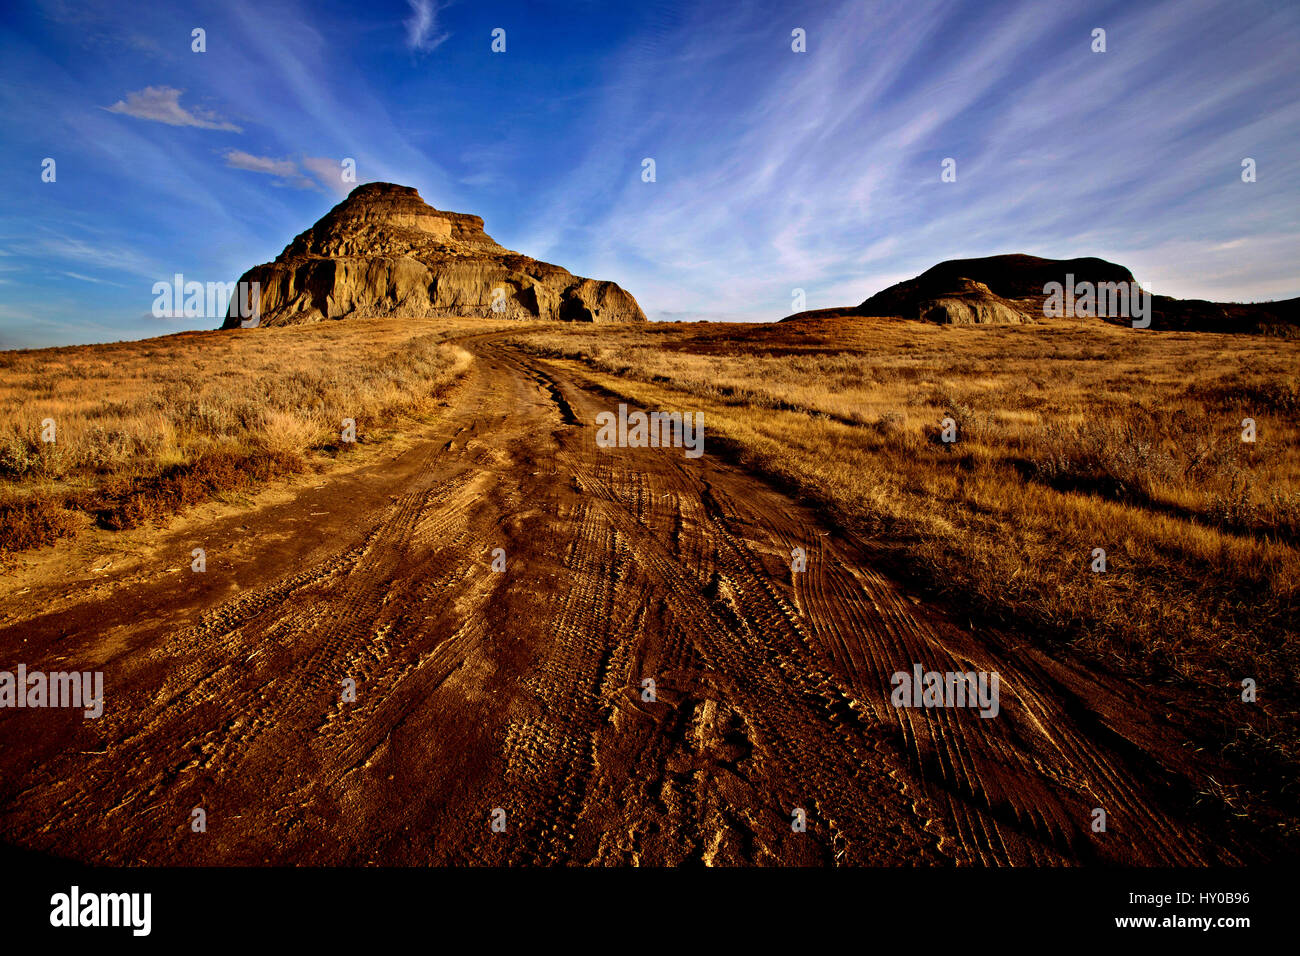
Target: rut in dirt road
<point>522,690</point>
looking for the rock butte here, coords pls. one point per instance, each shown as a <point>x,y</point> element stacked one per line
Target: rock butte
<point>384,251</point>
<point>1010,289</point>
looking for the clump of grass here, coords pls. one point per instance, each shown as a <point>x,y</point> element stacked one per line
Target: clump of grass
<point>34,520</point>
<point>127,502</point>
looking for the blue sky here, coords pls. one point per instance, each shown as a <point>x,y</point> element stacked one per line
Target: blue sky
<point>775,170</point>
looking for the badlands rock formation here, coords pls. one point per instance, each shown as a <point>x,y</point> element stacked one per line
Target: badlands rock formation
<point>1002,289</point>
<point>951,301</point>
<point>1010,289</point>
<point>384,251</point>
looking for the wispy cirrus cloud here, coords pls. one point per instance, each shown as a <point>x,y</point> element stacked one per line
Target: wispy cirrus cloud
<point>822,170</point>
<point>776,169</point>
<point>108,255</point>
<point>311,172</point>
<point>422,34</point>
<point>85,278</point>
<point>329,173</point>
<point>161,104</point>
<point>283,168</point>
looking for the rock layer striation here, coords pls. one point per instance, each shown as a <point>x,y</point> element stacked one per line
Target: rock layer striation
<point>384,251</point>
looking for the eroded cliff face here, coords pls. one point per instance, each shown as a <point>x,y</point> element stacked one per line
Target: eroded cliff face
<point>947,300</point>
<point>384,251</point>
<point>967,302</point>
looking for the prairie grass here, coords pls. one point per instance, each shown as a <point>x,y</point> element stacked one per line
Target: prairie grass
<point>146,429</point>
<point>1070,438</point>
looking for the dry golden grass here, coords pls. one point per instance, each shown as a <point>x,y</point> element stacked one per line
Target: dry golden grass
<point>145,429</point>
<point>1071,437</point>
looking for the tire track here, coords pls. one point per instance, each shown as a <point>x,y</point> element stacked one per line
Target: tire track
<point>481,687</point>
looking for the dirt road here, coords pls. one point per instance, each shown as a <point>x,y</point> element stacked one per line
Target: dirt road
<point>522,689</point>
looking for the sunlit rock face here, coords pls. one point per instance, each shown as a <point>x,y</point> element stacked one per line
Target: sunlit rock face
<point>384,251</point>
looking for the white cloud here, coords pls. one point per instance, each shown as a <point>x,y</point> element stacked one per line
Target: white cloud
<point>78,275</point>
<point>422,26</point>
<point>162,105</point>
<point>238,159</point>
<point>825,173</point>
<point>329,172</point>
<point>284,170</point>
